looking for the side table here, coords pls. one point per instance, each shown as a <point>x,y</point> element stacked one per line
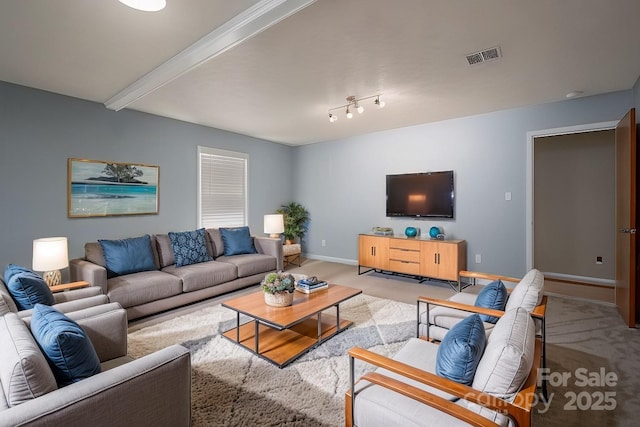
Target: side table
<point>66,286</point>
<point>291,254</point>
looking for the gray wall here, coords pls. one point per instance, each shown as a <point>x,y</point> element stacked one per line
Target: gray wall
<point>574,204</point>
<point>342,182</point>
<point>39,131</point>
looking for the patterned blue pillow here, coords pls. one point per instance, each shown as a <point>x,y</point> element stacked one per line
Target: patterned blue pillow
<point>128,255</point>
<point>189,247</point>
<point>64,343</point>
<point>493,296</point>
<point>237,241</point>
<point>461,349</point>
<point>28,289</point>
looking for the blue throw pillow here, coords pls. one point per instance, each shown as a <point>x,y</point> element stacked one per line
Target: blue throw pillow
<point>237,241</point>
<point>64,343</point>
<point>493,296</point>
<point>128,255</point>
<point>189,247</point>
<point>461,350</point>
<point>28,289</point>
<point>15,269</point>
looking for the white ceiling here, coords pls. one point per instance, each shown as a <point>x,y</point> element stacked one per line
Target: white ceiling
<point>279,84</point>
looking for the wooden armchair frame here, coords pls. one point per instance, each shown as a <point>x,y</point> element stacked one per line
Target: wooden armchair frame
<point>538,312</point>
<point>519,410</point>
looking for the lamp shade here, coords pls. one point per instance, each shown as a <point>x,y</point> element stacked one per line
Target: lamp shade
<point>273,224</point>
<point>50,254</point>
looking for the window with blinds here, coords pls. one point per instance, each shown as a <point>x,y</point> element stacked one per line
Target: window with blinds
<point>222,188</point>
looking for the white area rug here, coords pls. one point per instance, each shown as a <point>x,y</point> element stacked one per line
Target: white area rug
<point>232,387</point>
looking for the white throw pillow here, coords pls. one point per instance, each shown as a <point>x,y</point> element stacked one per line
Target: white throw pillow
<point>528,292</point>
<point>508,356</point>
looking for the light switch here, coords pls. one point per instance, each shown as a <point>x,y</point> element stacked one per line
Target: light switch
<point>507,195</point>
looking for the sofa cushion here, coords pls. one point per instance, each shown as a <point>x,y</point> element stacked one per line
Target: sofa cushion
<point>24,372</point>
<point>93,253</point>
<point>461,350</point>
<point>528,292</point>
<point>494,296</point>
<point>28,289</point>
<point>189,247</point>
<point>217,246</point>
<point>140,288</point>
<point>165,250</point>
<point>251,264</point>
<point>128,256</point>
<point>64,343</point>
<point>203,275</point>
<point>4,308</point>
<point>237,241</point>
<point>508,356</point>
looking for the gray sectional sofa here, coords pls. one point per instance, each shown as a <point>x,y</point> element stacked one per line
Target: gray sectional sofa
<point>168,286</point>
<point>152,390</point>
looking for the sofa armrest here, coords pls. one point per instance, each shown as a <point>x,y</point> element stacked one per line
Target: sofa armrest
<point>152,390</point>
<point>69,306</point>
<point>80,269</point>
<point>106,326</point>
<point>269,246</point>
<point>486,276</point>
<point>76,294</point>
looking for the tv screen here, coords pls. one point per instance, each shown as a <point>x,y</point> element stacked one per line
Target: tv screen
<point>428,195</point>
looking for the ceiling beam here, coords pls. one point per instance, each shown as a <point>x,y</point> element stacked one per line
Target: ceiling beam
<point>243,26</point>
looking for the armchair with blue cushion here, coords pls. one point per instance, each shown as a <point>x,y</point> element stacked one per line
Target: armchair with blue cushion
<point>21,289</point>
<point>467,379</point>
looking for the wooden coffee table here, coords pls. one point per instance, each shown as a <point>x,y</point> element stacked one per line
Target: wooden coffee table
<point>282,334</point>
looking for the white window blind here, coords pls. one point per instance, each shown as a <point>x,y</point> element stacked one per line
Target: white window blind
<point>222,188</point>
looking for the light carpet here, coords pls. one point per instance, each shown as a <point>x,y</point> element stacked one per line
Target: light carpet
<point>232,387</point>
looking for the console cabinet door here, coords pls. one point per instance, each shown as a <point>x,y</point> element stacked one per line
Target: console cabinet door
<point>373,251</point>
<point>443,260</point>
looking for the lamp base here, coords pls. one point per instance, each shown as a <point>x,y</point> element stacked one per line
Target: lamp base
<point>274,236</point>
<point>52,278</point>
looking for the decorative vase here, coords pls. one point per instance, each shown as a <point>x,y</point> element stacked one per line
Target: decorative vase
<point>411,231</point>
<point>433,232</point>
<point>280,299</point>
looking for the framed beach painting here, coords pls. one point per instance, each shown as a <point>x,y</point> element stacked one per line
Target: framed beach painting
<point>100,188</point>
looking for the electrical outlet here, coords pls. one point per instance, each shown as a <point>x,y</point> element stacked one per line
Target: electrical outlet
<point>478,259</point>
<point>324,242</point>
<point>598,260</point>
<point>507,196</point>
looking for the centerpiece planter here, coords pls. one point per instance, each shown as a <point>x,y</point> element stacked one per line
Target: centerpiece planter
<point>280,299</point>
<point>278,289</point>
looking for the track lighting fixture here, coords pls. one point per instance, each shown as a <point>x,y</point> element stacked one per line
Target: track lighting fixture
<point>353,103</point>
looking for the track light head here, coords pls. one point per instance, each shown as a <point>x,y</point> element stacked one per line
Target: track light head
<point>379,103</point>
<point>349,113</point>
<point>332,117</point>
<point>359,108</point>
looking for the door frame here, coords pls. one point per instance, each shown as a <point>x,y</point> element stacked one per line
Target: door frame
<point>531,135</point>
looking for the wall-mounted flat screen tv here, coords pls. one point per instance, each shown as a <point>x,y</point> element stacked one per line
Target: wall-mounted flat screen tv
<point>428,195</point>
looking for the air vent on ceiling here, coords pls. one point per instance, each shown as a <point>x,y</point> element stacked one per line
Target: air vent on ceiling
<point>484,56</point>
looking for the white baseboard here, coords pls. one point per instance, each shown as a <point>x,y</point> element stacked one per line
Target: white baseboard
<point>583,279</point>
<point>331,259</point>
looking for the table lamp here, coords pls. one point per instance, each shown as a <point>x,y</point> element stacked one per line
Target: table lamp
<point>274,225</point>
<point>50,254</point>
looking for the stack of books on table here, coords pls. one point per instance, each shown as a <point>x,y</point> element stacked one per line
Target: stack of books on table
<point>310,286</point>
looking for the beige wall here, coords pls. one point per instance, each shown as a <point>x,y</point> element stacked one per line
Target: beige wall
<point>574,204</point>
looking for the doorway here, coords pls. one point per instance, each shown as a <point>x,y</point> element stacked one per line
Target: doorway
<point>569,234</point>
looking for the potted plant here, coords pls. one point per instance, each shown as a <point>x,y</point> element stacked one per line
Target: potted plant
<point>278,289</point>
<point>296,218</point>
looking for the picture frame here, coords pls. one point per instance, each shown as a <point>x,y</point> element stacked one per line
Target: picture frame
<point>98,188</point>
